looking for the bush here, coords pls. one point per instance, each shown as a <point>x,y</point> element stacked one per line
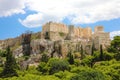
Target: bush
<point>42,67</point>
<point>44,58</point>
<point>85,73</point>
<point>2,53</point>
<point>106,56</point>
<point>33,70</point>
<point>77,62</point>
<point>56,65</point>
<point>66,75</point>
<point>87,61</point>
<point>110,68</point>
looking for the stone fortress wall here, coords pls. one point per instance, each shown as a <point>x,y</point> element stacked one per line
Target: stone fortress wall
<point>63,38</point>
<point>101,37</point>
<point>76,33</point>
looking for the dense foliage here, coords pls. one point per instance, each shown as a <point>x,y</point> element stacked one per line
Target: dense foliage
<point>100,65</point>
<point>10,65</point>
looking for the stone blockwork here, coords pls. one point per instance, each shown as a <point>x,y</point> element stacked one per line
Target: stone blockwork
<point>101,38</point>
<point>53,30</point>
<point>57,40</point>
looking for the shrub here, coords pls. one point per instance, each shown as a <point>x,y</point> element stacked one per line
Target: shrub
<point>85,73</point>
<point>56,65</point>
<point>106,56</point>
<point>87,61</point>
<point>2,53</point>
<point>42,67</point>
<point>110,68</point>
<point>44,58</point>
<point>77,62</point>
<point>66,75</point>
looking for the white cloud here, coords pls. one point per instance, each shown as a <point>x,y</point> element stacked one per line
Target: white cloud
<point>36,20</point>
<point>10,7</point>
<point>114,33</point>
<point>77,11</point>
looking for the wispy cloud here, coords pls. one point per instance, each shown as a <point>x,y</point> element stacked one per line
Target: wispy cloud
<point>114,33</point>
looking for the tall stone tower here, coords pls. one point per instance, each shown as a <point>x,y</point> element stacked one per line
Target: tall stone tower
<point>54,31</point>
<point>71,32</point>
<point>101,38</point>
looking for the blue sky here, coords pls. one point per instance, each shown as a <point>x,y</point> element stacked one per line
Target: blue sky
<point>23,15</point>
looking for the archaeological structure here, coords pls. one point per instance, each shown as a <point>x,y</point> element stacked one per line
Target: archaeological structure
<point>58,39</point>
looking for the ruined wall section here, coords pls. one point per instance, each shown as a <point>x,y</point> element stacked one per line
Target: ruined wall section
<point>101,38</point>
<point>55,31</point>
<point>85,33</point>
<point>58,27</point>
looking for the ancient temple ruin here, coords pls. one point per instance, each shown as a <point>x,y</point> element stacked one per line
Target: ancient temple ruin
<point>59,38</point>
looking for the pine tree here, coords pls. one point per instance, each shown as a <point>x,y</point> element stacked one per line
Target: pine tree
<point>10,65</point>
<point>92,50</point>
<point>81,52</point>
<point>71,58</point>
<point>101,53</point>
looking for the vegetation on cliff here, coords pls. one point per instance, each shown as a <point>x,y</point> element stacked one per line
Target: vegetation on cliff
<point>101,65</point>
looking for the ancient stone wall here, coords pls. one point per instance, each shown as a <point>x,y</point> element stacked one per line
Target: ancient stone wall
<point>101,38</point>
<point>55,27</point>
<point>78,33</point>
<point>83,32</point>
<point>55,31</point>
<point>87,32</point>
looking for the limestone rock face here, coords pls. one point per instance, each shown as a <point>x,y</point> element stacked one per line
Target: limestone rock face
<point>18,52</point>
<point>12,42</point>
<point>41,45</point>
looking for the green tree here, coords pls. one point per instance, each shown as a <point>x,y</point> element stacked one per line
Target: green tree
<point>92,50</point>
<point>10,65</point>
<point>56,65</point>
<point>44,58</point>
<point>81,52</point>
<point>70,58</point>
<point>87,61</point>
<point>2,53</point>
<point>115,47</point>
<point>101,53</point>
<point>42,67</point>
<point>88,74</point>
<point>116,43</point>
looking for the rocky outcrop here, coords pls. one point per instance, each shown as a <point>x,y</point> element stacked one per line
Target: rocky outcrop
<point>18,52</point>
<point>41,45</point>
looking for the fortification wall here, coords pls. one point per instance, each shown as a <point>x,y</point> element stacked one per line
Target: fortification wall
<point>102,39</point>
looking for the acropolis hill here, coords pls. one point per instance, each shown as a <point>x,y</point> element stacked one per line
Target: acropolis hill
<point>58,38</point>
